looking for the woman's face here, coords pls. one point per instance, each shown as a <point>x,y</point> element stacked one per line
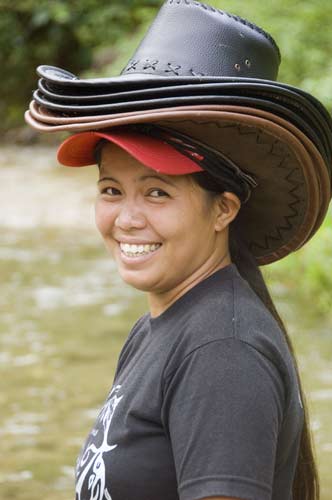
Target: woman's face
<point>160,229</point>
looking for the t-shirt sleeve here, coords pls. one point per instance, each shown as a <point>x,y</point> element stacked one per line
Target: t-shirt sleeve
<point>222,410</point>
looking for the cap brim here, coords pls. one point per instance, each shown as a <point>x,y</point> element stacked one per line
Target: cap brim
<point>78,151</point>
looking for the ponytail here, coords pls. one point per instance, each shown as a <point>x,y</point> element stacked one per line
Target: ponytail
<point>306,480</point>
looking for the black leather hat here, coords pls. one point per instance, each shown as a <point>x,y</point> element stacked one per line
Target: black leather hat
<point>212,75</point>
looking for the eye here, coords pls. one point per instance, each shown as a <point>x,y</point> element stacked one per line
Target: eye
<point>111,191</point>
<point>157,193</point>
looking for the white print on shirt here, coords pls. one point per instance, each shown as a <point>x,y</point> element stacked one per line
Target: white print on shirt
<point>91,465</point>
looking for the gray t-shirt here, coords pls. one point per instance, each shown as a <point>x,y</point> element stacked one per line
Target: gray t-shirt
<point>205,402</point>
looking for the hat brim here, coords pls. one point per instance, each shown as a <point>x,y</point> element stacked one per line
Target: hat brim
<point>308,119</point>
<point>78,151</point>
<point>66,82</point>
<point>108,93</point>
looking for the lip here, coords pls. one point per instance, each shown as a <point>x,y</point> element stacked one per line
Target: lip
<point>135,241</point>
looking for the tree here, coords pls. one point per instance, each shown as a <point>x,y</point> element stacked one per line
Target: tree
<point>60,33</point>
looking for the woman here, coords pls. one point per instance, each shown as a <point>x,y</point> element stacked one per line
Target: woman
<point>206,400</point>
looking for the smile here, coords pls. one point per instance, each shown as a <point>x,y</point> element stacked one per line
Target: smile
<point>138,250</point>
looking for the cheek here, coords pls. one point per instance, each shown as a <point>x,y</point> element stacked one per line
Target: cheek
<point>177,230</point>
<point>104,217</point>
<point>194,229</point>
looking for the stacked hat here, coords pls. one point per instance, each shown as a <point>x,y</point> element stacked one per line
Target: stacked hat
<point>211,76</point>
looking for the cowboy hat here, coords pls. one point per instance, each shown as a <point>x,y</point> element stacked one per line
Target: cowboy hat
<point>211,76</point>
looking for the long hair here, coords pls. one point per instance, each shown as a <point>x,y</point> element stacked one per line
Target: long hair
<point>306,480</point>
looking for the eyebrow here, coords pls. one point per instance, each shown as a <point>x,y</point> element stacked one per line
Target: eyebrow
<point>142,178</point>
<point>107,179</point>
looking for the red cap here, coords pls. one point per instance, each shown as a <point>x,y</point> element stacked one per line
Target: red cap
<point>78,151</point>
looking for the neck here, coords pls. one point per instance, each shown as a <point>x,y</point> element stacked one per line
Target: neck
<point>159,302</point>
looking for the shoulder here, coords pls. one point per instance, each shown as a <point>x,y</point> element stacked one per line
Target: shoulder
<point>226,308</point>
<point>233,310</point>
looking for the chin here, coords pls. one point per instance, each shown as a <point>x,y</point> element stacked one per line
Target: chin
<point>137,280</point>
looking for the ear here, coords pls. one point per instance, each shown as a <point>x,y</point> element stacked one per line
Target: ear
<point>228,206</point>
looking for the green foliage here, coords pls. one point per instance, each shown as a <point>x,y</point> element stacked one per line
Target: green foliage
<point>61,33</point>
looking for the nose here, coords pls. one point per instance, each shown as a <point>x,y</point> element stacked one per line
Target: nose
<point>130,217</point>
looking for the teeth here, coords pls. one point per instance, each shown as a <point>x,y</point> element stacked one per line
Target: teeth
<point>134,250</point>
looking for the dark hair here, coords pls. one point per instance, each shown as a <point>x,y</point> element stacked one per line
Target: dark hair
<point>98,149</point>
<point>306,480</point>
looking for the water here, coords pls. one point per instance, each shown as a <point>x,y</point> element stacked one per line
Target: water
<point>64,317</point>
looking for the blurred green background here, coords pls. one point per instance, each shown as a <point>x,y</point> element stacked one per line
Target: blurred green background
<point>64,311</point>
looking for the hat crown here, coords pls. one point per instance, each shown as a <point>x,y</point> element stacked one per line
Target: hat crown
<point>189,38</point>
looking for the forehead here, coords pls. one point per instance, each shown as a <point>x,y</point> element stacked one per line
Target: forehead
<point>119,164</point>
<point>113,158</point>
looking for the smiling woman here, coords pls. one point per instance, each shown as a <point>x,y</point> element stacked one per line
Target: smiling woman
<point>209,352</point>
<point>208,167</point>
<point>154,226</point>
